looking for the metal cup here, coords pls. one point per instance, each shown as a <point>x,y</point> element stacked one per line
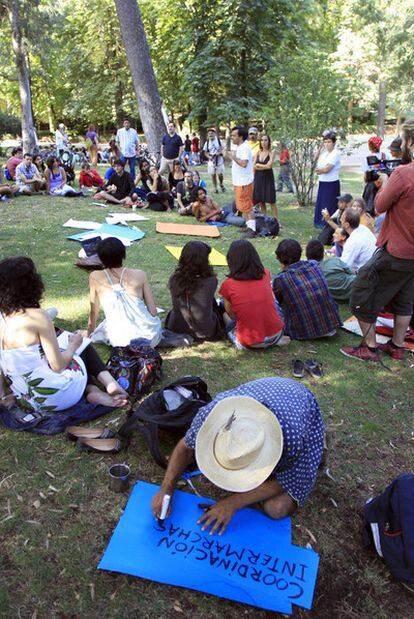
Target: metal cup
<point>119,477</point>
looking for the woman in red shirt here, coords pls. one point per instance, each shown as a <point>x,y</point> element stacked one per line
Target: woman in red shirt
<point>252,320</point>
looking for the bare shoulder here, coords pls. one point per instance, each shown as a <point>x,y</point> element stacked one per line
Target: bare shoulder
<point>38,317</point>
<point>136,275</point>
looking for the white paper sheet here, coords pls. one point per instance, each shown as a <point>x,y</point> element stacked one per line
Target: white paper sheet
<point>63,341</point>
<point>121,217</point>
<point>81,224</point>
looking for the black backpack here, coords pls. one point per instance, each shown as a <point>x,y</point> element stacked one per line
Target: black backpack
<point>266,226</point>
<point>172,408</point>
<point>389,525</point>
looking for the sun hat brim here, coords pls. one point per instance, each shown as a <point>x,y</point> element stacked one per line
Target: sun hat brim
<point>258,471</point>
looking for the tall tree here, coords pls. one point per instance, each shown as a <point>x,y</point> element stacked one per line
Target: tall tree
<point>142,72</point>
<point>28,133</point>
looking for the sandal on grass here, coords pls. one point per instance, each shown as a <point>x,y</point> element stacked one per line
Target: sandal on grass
<point>100,445</point>
<point>298,368</point>
<point>75,432</point>
<point>314,368</point>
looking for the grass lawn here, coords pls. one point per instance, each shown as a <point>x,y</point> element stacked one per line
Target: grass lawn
<point>57,513</point>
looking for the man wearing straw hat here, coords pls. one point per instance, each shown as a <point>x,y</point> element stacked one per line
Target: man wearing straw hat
<point>262,442</point>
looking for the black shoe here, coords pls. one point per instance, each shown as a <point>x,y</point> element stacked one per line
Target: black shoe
<point>223,189</point>
<point>314,368</point>
<point>250,234</point>
<point>298,368</point>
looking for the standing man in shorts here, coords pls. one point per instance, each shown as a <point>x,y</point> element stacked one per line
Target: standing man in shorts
<point>242,176</point>
<point>171,149</point>
<point>387,280</point>
<point>214,153</point>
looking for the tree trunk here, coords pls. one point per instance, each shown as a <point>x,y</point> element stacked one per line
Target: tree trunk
<point>28,134</point>
<point>382,102</point>
<point>142,72</point>
<point>119,110</point>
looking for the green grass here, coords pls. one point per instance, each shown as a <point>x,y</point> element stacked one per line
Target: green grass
<point>49,552</point>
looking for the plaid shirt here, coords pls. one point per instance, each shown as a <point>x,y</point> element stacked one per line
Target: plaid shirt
<point>309,310</point>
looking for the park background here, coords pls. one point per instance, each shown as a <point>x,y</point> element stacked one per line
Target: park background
<point>294,69</point>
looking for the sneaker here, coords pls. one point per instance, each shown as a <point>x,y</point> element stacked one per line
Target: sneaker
<point>216,191</point>
<point>223,189</point>
<point>363,353</point>
<point>394,353</point>
<point>250,234</point>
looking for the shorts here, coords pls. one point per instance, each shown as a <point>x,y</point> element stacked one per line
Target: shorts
<point>384,282</point>
<point>244,197</point>
<point>212,168</point>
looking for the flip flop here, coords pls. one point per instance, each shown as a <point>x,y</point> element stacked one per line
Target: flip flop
<point>75,432</point>
<point>100,445</point>
<point>298,368</point>
<point>314,368</point>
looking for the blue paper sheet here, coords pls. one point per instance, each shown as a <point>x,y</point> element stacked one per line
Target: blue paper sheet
<point>252,562</point>
<point>110,230</point>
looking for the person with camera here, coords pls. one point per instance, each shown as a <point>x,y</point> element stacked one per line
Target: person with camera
<point>214,153</point>
<point>387,280</point>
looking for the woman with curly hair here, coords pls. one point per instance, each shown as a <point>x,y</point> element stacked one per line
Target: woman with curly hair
<point>192,287</point>
<point>41,376</point>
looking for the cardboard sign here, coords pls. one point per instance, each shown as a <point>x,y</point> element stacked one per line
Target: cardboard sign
<point>215,258</point>
<point>107,230</point>
<point>253,562</point>
<point>187,229</point>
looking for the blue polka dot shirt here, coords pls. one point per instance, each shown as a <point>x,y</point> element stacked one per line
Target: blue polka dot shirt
<point>301,421</point>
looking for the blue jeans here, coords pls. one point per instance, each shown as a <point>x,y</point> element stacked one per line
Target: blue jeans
<point>132,162</point>
<point>284,178</point>
<point>228,217</point>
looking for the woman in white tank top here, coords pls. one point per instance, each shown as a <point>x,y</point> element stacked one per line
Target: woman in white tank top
<point>126,299</point>
<point>40,375</point>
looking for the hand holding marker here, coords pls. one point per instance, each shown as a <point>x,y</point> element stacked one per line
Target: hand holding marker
<point>164,507</point>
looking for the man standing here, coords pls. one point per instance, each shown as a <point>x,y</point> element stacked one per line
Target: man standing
<point>253,140</point>
<point>195,149</point>
<point>61,139</point>
<point>242,176</point>
<point>262,442</point>
<point>28,177</point>
<point>214,153</point>
<point>171,149</point>
<point>387,280</point>
<point>284,170</point>
<point>127,141</point>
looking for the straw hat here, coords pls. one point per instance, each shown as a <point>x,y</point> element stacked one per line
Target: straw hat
<point>239,444</point>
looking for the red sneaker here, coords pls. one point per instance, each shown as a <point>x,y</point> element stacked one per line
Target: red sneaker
<point>394,353</point>
<point>363,353</point>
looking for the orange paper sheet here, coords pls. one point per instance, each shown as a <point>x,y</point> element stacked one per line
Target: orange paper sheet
<point>187,229</point>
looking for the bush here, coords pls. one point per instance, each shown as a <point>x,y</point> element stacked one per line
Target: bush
<point>9,124</point>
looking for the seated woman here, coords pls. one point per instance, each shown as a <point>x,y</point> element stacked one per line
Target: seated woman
<point>192,286</point>
<point>126,298</point>
<point>197,180</point>
<point>39,374</point>
<point>302,291</point>
<point>159,196</point>
<point>251,317</point>
<point>175,177</point>
<point>56,180</point>
<point>39,163</point>
<point>142,176</point>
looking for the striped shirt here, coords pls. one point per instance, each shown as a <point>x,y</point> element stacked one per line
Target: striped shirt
<point>127,141</point>
<point>309,310</point>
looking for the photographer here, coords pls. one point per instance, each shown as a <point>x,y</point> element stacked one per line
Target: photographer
<point>214,153</point>
<point>387,280</point>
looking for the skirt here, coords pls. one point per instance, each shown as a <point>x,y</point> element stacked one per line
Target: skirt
<point>328,192</point>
